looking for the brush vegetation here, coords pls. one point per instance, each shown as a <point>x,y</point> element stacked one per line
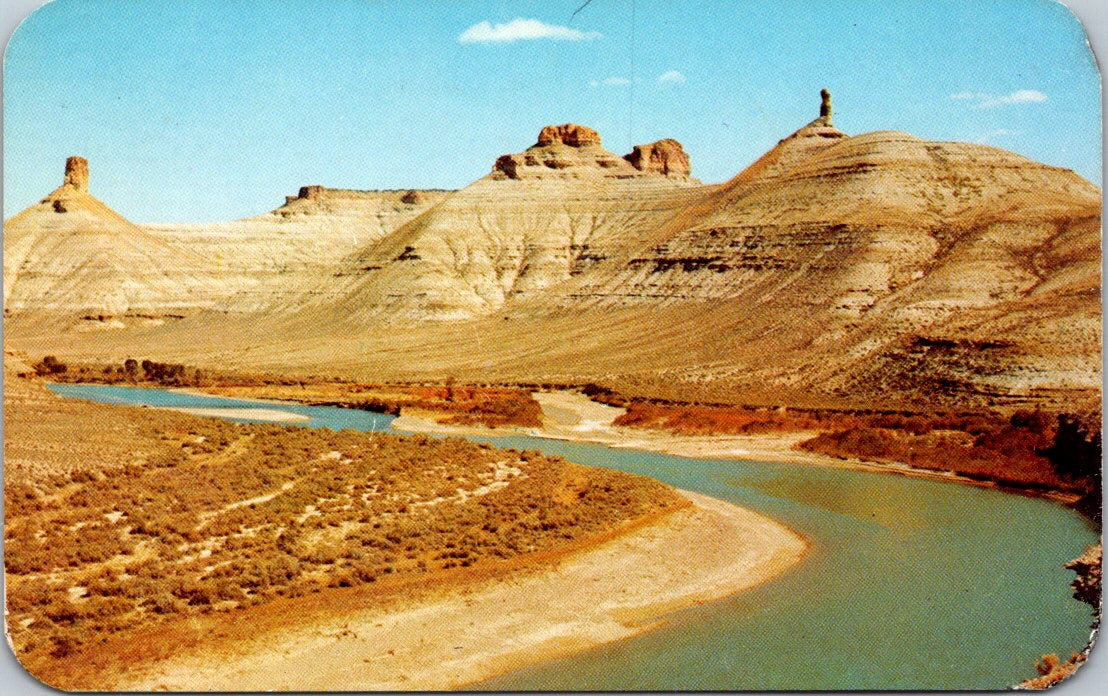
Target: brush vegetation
<point>1029,449</point>
<point>192,516</point>
<point>450,402</point>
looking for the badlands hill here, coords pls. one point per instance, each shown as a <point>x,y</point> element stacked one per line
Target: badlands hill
<point>70,256</point>
<point>538,219</point>
<point>855,270</point>
<point>69,253</point>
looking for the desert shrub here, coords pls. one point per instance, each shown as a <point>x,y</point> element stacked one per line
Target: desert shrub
<point>1036,421</point>
<point>192,591</point>
<point>30,594</point>
<point>50,365</point>
<point>62,611</point>
<point>1075,454</point>
<point>164,603</point>
<point>62,645</point>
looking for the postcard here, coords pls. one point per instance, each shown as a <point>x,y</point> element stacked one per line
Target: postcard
<point>556,346</point>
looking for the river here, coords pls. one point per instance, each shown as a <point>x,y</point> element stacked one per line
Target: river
<point>910,584</point>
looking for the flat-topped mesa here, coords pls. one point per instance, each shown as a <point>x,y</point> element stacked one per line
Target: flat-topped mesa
<point>76,173</point>
<point>330,202</point>
<point>571,151</point>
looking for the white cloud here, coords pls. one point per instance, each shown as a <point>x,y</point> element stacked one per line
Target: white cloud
<point>520,29</point>
<point>671,76</point>
<point>990,101</point>
<point>610,82</point>
<point>1023,96</point>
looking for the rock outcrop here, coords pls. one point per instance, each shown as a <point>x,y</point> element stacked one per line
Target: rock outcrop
<point>568,134</point>
<point>1089,581</point>
<point>664,157</point>
<point>570,151</point>
<point>76,173</point>
<point>824,119</point>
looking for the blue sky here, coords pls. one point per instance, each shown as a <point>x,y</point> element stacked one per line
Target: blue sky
<point>198,110</point>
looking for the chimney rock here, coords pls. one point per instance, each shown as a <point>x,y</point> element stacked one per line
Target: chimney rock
<point>824,110</point>
<point>76,173</point>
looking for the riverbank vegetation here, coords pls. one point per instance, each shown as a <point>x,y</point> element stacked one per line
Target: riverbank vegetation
<point>178,518</point>
<point>1027,449</point>
<point>1032,450</point>
<point>451,403</point>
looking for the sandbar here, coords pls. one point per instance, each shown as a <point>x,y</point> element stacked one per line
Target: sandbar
<point>258,414</point>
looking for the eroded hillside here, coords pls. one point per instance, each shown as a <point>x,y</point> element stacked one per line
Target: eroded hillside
<point>834,268</point>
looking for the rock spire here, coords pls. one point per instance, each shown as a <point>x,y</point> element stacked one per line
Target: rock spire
<point>76,173</point>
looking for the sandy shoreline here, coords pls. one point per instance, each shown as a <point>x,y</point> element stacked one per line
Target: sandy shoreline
<point>271,415</point>
<point>607,593</point>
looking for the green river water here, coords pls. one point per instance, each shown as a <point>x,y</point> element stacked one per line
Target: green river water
<point>909,584</point>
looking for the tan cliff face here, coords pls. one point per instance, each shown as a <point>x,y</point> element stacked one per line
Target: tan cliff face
<point>871,268</point>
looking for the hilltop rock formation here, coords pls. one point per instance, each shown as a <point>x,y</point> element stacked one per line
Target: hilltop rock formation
<point>72,254</point>
<point>824,119</point>
<point>662,157</point>
<point>76,173</point>
<point>573,151</point>
<point>568,134</point>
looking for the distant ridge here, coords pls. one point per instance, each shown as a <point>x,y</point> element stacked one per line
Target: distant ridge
<point>877,268</point>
